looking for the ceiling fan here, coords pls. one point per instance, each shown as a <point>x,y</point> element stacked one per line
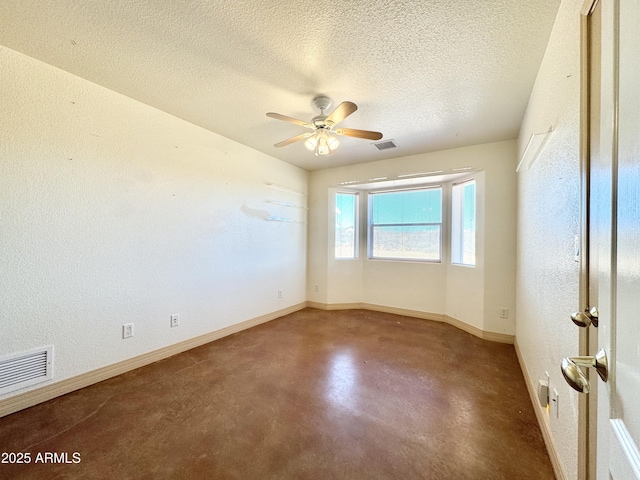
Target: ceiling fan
<point>322,140</point>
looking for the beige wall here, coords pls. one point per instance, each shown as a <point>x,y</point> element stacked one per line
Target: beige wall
<point>114,212</point>
<point>473,296</point>
<point>548,220</point>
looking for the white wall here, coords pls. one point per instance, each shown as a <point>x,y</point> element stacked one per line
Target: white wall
<point>115,212</point>
<point>548,220</point>
<point>471,295</point>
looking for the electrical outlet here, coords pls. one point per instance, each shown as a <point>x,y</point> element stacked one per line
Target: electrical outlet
<point>279,293</point>
<point>504,312</point>
<point>175,320</point>
<point>127,330</point>
<point>317,288</point>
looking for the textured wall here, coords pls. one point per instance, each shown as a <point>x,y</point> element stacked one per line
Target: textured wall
<point>548,220</point>
<point>114,212</point>
<point>471,295</point>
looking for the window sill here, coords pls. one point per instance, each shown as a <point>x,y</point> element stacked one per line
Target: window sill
<point>405,260</point>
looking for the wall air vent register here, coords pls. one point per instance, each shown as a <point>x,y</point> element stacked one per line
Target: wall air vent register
<point>25,369</point>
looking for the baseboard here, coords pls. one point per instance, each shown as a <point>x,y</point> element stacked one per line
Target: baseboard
<point>334,306</point>
<point>498,337</point>
<point>478,332</point>
<point>48,392</point>
<point>542,421</point>
<point>473,330</point>
<point>436,317</point>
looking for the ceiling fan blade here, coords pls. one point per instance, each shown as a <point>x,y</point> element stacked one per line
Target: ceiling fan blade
<point>341,112</point>
<point>302,123</point>
<point>352,132</point>
<point>291,140</point>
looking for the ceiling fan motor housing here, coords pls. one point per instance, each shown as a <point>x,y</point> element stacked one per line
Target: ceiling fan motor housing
<point>321,102</point>
<point>319,122</point>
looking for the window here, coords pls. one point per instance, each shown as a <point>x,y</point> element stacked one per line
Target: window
<point>463,223</point>
<point>346,225</point>
<point>406,224</point>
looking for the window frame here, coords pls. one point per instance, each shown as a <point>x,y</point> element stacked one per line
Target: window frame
<point>457,223</point>
<point>371,226</point>
<point>356,224</point>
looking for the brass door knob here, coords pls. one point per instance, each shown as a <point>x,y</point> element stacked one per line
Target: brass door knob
<point>586,318</point>
<point>576,377</point>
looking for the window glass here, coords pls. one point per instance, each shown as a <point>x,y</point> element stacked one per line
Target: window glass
<point>346,225</point>
<point>463,228</point>
<point>406,224</point>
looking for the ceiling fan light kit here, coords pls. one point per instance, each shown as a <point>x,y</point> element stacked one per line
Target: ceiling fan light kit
<point>323,140</point>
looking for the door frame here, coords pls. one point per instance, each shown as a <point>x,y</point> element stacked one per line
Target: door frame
<point>587,404</point>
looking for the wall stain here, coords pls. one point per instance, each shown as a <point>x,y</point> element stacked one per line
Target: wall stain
<point>252,212</point>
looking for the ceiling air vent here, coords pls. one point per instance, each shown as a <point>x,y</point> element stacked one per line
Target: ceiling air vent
<point>387,144</point>
<point>24,369</point>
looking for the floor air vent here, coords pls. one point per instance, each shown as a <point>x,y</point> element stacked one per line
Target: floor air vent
<point>385,145</point>
<point>24,369</point>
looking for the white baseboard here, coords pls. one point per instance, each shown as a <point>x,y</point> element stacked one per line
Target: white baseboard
<point>53,390</point>
<point>541,415</point>
<point>436,317</point>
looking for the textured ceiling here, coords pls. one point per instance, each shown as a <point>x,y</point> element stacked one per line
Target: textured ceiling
<point>430,74</point>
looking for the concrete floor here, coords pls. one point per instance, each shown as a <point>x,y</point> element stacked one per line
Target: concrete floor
<point>329,395</point>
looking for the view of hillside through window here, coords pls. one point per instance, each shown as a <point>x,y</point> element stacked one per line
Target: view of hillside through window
<point>406,224</point>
